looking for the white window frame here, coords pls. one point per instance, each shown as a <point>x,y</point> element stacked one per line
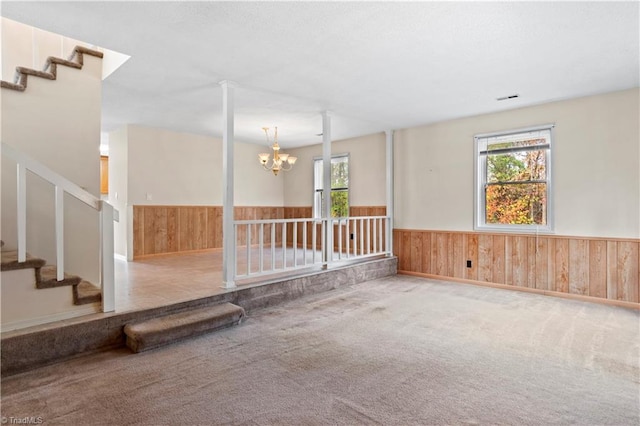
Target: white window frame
<point>317,213</point>
<point>480,175</point>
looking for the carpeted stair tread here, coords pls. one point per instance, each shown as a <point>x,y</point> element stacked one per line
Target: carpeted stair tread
<point>171,328</point>
<point>48,279</point>
<point>10,261</point>
<point>85,293</point>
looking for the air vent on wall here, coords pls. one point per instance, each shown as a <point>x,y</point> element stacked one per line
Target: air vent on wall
<point>504,98</point>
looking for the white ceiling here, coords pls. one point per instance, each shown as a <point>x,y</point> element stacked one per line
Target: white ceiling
<point>375,65</point>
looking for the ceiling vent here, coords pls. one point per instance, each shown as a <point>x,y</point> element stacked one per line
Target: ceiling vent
<point>504,98</point>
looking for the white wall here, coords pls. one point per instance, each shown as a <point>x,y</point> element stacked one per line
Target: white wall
<point>596,163</point>
<point>255,186</point>
<point>57,122</point>
<point>118,177</point>
<point>181,168</point>
<point>367,171</point>
<point>151,166</point>
<point>172,168</point>
<point>27,46</point>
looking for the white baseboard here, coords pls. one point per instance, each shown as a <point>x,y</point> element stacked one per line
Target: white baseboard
<point>120,257</point>
<point>85,310</point>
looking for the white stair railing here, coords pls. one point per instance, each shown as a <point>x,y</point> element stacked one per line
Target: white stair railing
<point>62,185</point>
<point>271,246</point>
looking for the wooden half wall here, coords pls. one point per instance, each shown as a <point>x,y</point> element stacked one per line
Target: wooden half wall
<point>604,268</point>
<point>174,229</point>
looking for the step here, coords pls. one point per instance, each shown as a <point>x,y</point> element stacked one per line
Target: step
<point>86,293</point>
<point>48,278</point>
<point>9,261</point>
<point>168,329</point>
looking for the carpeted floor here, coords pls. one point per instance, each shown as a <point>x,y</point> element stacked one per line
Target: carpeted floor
<point>396,351</point>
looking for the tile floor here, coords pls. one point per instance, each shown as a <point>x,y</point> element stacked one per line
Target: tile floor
<point>163,280</point>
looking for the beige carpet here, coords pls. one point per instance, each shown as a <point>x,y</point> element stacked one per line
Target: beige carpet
<point>396,351</point>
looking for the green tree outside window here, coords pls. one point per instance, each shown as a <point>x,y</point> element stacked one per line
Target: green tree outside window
<point>339,187</point>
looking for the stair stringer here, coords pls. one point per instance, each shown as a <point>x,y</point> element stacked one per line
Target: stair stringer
<point>50,72</point>
<point>24,305</point>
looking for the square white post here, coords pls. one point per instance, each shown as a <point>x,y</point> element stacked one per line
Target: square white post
<point>22,211</point>
<point>326,185</point>
<point>228,240</point>
<point>107,270</point>
<point>390,195</point>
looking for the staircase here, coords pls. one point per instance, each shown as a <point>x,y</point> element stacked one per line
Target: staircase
<point>45,277</point>
<point>45,209</point>
<point>50,72</point>
<point>32,293</point>
<point>41,127</point>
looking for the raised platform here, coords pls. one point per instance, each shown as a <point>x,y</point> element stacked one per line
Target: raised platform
<point>30,348</point>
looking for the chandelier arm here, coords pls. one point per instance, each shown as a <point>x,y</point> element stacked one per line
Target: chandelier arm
<point>268,167</point>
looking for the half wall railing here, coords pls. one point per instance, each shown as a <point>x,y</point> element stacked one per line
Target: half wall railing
<point>272,246</point>
<point>61,186</point>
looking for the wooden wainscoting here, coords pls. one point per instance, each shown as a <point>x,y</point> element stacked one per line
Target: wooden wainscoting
<point>307,211</point>
<point>301,213</point>
<point>256,213</point>
<point>604,268</point>
<point>367,210</point>
<point>174,229</point>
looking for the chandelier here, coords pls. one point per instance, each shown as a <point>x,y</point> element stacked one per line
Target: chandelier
<point>280,160</point>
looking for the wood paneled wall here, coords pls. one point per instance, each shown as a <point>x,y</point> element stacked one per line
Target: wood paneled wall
<point>173,229</point>
<point>302,212</point>
<point>367,211</point>
<point>596,267</point>
<point>297,212</point>
<point>256,213</point>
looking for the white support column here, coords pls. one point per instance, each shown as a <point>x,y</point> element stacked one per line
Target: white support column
<point>22,212</point>
<point>59,219</point>
<point>228,240</point>
<point>129,225</point>
<point>390,195</point>
<point>326,184</point>
<point>107,278</point>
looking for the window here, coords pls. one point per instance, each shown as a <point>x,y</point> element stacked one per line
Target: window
<point>513,180</point>
<point>339,186</point>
